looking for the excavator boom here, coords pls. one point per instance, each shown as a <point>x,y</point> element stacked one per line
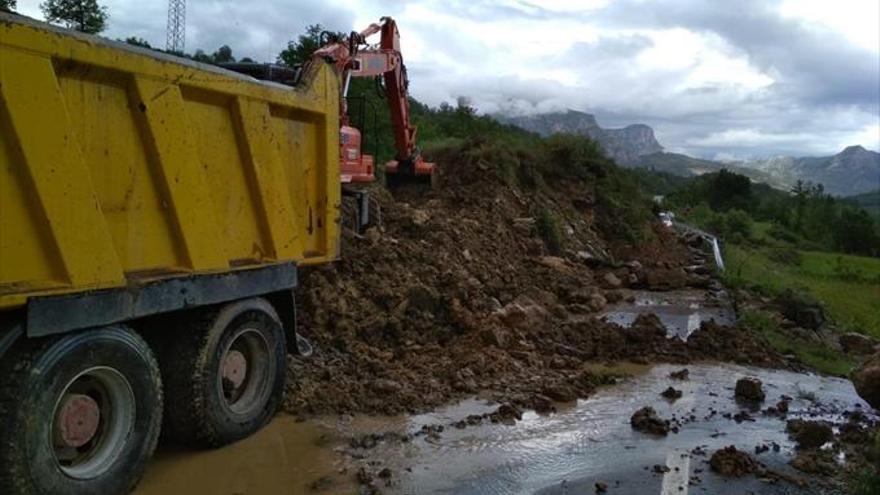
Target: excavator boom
<point>354,57</point>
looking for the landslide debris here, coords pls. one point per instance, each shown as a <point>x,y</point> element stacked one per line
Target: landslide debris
<point>866,380</point>
<point>646,420</point>
<point>750,390</point>
<point>732,462</point>
<point>810,434</point>
<point>457,290</point>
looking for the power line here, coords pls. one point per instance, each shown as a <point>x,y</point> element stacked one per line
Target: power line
<point>175,34</point>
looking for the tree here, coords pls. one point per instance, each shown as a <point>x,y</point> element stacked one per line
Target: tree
<point>854,232</point>
<point>134,40</point>
<point>730,190</point>
<point>299,51</point>
<point>85,16</point>
<point>223,55</point>
<point>7,5</point>
<point>201,56</point>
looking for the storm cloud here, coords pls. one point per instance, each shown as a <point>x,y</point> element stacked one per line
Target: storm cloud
<point>750,78</point>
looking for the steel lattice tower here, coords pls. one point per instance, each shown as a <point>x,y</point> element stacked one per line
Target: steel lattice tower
<point>175,35</point>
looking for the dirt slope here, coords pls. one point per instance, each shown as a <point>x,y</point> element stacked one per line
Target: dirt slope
<point>454,292</point>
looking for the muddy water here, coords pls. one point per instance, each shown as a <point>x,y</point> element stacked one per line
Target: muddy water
<point>284,458</point>
<point>563,453</point>
<point>680,311</point>
<point>591,442</point>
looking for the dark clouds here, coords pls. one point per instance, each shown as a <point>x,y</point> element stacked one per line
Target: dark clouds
<point>712,77</point>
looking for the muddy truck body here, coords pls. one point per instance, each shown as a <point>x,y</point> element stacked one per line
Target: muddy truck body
<point>153,214</point>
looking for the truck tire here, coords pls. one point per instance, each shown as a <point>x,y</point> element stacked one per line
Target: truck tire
<point>79,414</point>
<point>223,374</point>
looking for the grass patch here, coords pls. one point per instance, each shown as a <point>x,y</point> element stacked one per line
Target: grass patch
<point>816,355</point>
<point>848,286</point>
<point>865,483</point>
<point>548,228</point>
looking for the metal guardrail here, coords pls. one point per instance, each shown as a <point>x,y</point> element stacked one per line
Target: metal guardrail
<point>709,238</point>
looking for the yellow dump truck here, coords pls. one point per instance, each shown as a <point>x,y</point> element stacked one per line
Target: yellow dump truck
<point>153,213</point>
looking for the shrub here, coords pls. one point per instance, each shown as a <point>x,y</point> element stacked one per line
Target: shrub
<point>738,222</point>
<point>548,229</point>
<point>781,233</point>
<point>786,256</point>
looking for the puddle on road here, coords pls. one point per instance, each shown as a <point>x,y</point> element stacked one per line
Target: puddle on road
<point>681,311</point>
<point>563,453</point>
<point>286,457</point>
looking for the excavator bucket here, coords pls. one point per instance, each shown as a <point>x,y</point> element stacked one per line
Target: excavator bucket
<point>417,172</point>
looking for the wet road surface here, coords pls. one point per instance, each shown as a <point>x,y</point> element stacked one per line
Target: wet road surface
<point>563,453</point>
<point>680,311</point>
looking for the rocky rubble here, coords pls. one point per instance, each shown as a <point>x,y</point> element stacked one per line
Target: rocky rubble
<point>866,379</point>
<point>455,292</point>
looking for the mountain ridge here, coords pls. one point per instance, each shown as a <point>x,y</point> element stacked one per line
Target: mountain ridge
<point>852,171</point>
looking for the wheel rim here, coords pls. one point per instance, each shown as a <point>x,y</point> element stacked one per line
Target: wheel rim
<point>245,372</point>
<point>92,422</point>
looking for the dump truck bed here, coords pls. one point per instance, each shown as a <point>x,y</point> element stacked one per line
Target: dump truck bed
<point>121,167</point>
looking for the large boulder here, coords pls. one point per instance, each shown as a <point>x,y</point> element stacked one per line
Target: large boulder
<point>801,309</point>
<point>857,344</point>
<point>750,389</point>
<point>867,381</point>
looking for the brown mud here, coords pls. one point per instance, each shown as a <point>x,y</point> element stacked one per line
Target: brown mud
<point>454,292</point>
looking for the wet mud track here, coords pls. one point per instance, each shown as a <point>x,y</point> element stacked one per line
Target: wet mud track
<point>583,444</point>
<point>592,442</point>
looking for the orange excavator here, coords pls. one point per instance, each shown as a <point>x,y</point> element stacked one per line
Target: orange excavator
<point>353,56</point>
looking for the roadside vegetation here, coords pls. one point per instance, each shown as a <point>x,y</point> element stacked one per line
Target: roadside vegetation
<point>805,241</point>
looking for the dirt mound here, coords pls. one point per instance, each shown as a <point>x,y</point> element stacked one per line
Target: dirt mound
<point>732,462</point>
<point>750,390</point>
<point>810,434</point>
<point>456,291</point>
<point>646,420</point>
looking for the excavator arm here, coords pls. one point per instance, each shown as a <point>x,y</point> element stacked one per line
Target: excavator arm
<point>354,57</point>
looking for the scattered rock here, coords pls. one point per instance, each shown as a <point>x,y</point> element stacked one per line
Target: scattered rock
<point>815,462</point>
<point>857,344</point>
<point>373,235</point>
<point>810,434</point>
<point>682,374</point>
<point>731,462</point>
<point>384,386</point>
<point>867,381</point>
<point>601,487</point>
<point>420,217</point>
<point>611,280</point>
<point>671,394</point>
<point>507,414</point>
<point>494,336</point>
<point>597,302</point>
<point>750,389</point>
<point>646,420</point>
<point>556,263</point>
<point>660,469</point>
<point>666,278</point>
<point>801,309</point>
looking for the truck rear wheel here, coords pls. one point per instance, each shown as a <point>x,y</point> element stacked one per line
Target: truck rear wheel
<point>80,414</point>
<point>224,374</point>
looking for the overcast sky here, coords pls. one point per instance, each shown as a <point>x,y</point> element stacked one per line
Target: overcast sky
<point>716,79</point>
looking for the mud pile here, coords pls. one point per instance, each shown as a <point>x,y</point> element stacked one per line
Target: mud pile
<point>454,291</point>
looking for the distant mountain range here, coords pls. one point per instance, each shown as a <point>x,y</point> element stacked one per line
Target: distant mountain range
<point>853,171</point>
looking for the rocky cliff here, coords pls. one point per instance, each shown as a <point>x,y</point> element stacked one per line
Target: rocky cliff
<point>625,145</point>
